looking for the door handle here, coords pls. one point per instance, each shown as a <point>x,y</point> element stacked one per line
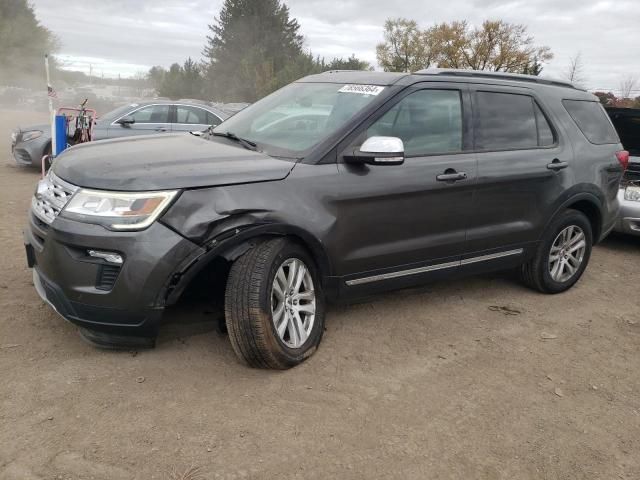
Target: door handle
<point>450,175</point>
<point>557,165</point>
<point>161,129</point>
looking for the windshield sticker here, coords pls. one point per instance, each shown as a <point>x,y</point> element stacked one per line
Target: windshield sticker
<point>362,89</point>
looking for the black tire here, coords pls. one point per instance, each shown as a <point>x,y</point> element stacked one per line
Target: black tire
<point>248,300</point>
<point>536,273</point>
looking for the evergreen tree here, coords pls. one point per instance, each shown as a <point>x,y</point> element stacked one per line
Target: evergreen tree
<point>23,42</point>
<point>252,42</point>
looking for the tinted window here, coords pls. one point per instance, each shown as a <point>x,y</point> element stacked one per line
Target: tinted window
<point>427,121</point>
<point>192,115</point>
<point>592,120</point>
<point>505,121</point>
<point>545,133</point>
<point>152,114</point>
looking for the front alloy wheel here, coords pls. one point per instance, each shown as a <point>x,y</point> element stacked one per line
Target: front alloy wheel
<point>293,303</point>
<point>274,305</point>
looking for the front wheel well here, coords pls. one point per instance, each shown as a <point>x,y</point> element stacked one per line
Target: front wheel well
<point>592,212</point>
<point>212,272</point>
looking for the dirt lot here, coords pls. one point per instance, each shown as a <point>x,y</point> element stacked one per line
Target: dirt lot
<point>430,384</point>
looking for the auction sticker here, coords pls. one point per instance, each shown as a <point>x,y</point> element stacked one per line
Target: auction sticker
<point>362,89</point>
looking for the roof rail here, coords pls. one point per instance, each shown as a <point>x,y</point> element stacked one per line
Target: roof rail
<point>496,75</point>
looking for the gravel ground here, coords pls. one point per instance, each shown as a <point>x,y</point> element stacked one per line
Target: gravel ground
<point>472,379</point>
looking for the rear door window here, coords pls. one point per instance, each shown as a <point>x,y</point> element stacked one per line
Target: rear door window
<point>191,115</point>
<point>592,120</point>
<point>505,121</point>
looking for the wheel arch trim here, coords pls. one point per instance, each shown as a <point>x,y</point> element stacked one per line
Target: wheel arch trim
<point>233,243</point>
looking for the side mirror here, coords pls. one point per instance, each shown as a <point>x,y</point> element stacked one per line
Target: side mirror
<point>379,151</point>
<point>126,120</point>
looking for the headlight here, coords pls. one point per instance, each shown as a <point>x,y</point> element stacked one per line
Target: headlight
<point>30,135</point>
<point>118,210</point>
<point>632,193</point>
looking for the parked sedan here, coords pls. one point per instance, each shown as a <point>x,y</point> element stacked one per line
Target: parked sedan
<point>627,123</point>
<point>29,145</point>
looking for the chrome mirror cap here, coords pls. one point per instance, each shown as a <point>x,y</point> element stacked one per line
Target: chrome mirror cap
<point>380,151</point>
<point>383,145</point>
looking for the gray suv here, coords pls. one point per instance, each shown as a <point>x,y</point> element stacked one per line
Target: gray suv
<point>338,186</point>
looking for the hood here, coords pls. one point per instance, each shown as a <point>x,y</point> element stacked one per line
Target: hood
<point>161,162</point>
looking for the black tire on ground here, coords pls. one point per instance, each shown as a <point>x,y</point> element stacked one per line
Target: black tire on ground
<point>248,301</point>
<point>536,273</point>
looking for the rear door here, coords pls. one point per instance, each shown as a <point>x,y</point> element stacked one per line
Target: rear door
<point>190,118</point>
<point>522,166</point>
<point>149,119</point>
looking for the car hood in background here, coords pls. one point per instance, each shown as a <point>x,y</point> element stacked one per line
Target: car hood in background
<point>160,162</point>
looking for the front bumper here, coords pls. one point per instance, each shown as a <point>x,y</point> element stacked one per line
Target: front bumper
<point>126,300</point>
<point>629,218</point>
<point>29,153</point>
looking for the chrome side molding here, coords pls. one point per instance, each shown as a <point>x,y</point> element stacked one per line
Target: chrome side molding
<point>432,268</point>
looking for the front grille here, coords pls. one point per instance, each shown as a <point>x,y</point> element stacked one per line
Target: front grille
<point>633,171</point>
<point>107,276</point>
<point>50,198</point>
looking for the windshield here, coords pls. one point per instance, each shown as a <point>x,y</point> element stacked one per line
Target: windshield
<point>291,121</point>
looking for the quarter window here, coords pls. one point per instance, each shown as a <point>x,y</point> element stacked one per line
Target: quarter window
<point>152,114</point>
<point>427,121</point>
<point>592,120</point>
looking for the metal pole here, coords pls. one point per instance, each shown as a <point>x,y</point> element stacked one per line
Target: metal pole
<point>52,113</point>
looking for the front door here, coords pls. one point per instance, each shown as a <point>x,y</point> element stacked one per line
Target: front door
<point>148,120</point>
<point>408,220</point>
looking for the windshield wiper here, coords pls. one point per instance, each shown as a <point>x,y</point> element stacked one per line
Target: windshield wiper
<point>249,145</point>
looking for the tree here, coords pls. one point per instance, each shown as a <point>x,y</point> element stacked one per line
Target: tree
<point>23,42</point>
<point>192,81</point>
<point>627,86</point>
<point>575,71</point>
<point>405,47</point>
<point>533,68</point>
<point>155,76</point>
<point>496,46</point>
<point>251,43</point>
<point>607,99</point>
<point>351,63</point>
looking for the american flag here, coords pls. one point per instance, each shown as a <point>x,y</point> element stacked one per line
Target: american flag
<point>51,92</point>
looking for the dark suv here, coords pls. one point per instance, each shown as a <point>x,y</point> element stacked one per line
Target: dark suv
<point>337,186</point>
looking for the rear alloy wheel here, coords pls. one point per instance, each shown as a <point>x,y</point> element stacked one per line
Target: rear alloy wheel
<point>567,253</point>
<point>563,254</point>
<point>274,305</point>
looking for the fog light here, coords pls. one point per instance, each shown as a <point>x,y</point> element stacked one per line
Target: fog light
<point>106,256</point>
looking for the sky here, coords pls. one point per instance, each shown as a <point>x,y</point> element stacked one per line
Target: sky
<point>127,37</point>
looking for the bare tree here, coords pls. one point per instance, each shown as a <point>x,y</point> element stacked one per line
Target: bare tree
<point>628,85</point>
<point>575,71</point>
